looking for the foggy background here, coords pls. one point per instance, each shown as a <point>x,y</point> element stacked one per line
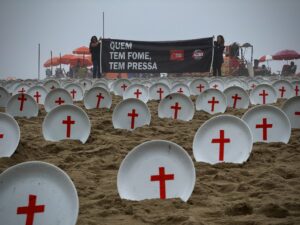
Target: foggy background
<point>63,25</point>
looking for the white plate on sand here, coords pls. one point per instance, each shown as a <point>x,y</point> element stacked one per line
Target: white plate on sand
<point>4,97</point>
<point>197,86</point>
<point>21,88</point>
<point>181,88</point>
<point>101,84</point>
<point>9,135</point>
<point>130,114</point>
<point>237,97</point>
<point>75,90</point>
<point>291,107</point>
<point>22,105</point>
<point>296,88</point>
<point>158,91</point>
<point>96,98</point>
<point>86,84</point>
<point>120,86</point>
<point>176,106</point>
<point>137,91</point>
<point>51,84</point>
<point>252,84</point>
<point>39,93</point>
<point>268,124</point>
<point>211,101</point>
<point>227,129</point>
<point>66,122</point>
<point>138,174</point>
<point>217,84</point>
<point>284,88</point>
<point>45,187</point>
<point>57,97</point>
<point>263,94</point>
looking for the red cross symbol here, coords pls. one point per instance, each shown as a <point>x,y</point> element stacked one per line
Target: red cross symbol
<point>215,86</point>
<point>253,86</point>
<point>68,122</point>
<point>1,136</point>
<point>31,209</point>
<point>180,90</point>
<point>222,141</point>
<point>37,96</point>
<point>282,90</point>
<point>296,114</point>
<point>264,94</point>
<point>73,92</point>
<point>160,91</point>
<point>22,99</point>
<point>297,90</point>
<point>213,102</point>
<point>99,97</point>
<point>124,86</point>
<point>137,93</point>
<point>265,127</point>
<point>133,114</point>
<point>235,98</point>
<point>200,87</point>
<point>162,178</point>
<point>22,90</point>
<point>59,101</point>
<point>176,108</point>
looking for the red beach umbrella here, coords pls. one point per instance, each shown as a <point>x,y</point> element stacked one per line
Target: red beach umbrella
<point>66,59</point>
<point>81,61</point>
<point>83,50</point>
<point>52,62</point>
<point>286,55</point>
<point>265,58</point>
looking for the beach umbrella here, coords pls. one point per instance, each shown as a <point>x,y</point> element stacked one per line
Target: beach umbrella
<point>265,58</point>
<point>55,61</point>
<point>83,50</point>
<point>85,60</point>
<point>286,55</point>
<point>65,59</point>
<point>82,61</point>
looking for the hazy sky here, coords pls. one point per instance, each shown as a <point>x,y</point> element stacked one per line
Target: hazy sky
<point>63,25</point>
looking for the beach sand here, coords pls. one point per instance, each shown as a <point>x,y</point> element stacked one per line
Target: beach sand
<point>263,191</point>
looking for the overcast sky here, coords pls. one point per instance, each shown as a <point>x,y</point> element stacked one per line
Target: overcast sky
<point>63,25</point>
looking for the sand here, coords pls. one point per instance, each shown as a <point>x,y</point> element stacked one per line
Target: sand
<point>263,191</point>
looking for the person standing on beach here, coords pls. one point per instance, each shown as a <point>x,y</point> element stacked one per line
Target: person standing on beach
<point>95,52</point>
<point>218,55</point>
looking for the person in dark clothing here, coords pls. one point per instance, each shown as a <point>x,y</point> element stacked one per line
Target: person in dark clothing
<point>218,55</point>
<point>293,68</point>
<point>95,52</point>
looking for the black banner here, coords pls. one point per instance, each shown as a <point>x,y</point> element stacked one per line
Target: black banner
<point>156,57</point>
